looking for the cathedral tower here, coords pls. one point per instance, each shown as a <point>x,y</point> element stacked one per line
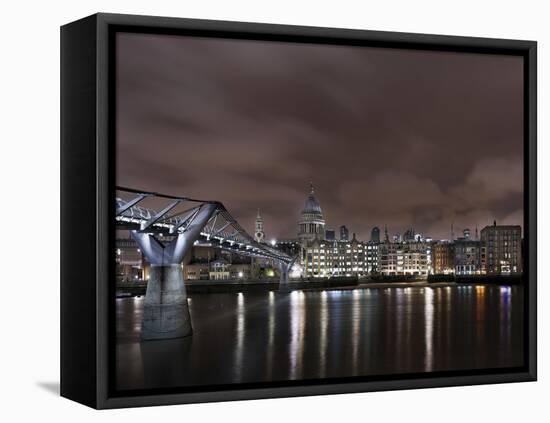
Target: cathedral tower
<point>259,234</point>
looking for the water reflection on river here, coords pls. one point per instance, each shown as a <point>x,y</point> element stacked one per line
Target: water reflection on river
<point>275,336</point>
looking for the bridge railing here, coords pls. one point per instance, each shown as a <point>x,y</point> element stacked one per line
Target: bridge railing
<point>178,213</point>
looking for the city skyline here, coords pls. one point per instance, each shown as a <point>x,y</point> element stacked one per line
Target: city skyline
<point>454,231</point>
<point>437,144</point>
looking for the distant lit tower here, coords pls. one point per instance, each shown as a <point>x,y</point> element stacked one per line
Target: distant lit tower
<point>311,224</point>
<point>344,233</point>
<point>259,234</point>
<point>375,235</point>
<point>466,233</point>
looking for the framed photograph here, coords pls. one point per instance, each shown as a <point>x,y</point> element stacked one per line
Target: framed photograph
<point>256,211</point>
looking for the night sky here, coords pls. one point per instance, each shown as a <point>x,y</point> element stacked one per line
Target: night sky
<point>387,136</point>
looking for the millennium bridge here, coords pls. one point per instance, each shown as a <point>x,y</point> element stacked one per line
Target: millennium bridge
<point>165,233</point>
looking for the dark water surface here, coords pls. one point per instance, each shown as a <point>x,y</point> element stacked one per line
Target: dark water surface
<point>275,336</point>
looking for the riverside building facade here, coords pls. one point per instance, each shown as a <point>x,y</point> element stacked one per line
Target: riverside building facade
<point>443,258</point>
<point>324,258</point>
<point>502,249</point>
<point>468,255</point>
<point>404,259</point>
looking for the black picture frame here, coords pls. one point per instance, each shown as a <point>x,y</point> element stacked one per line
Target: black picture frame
<point>87,195</point>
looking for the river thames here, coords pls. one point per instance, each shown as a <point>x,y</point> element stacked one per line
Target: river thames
<point>255,337</point>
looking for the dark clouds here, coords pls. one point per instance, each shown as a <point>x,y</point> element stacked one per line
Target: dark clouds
<point>397,137</point>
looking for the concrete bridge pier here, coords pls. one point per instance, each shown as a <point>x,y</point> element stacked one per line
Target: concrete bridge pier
<point>166,311</point>
<point>284,271</point>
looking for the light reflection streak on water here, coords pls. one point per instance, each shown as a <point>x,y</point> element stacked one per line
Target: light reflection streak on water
<point>399,321</point>
<point>138,311</point>
<point>505,316</point>
<point>271,324</point>
<point>356,320</point>
<point>323,344</point>
<point>480,311</point>
<point>271,334</point>
<point>428,327</point>
<point>136,362</point>
<point>448,313</point>
<point>438,293</point>
<point>297,325</point>
<point>408,315</point>
<point>240,336</point>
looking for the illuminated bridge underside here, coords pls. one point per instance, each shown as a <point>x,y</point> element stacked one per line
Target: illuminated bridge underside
<point>182,222</point>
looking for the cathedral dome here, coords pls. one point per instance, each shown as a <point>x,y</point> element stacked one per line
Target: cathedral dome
<point>311,224</point>
<point>312,205</point>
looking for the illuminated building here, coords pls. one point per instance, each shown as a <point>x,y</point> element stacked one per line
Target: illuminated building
<point>404,259</point>
<point>130,265</point>
<point>311,224</point>
<point>209,263</point>
<point>196,271</point>
<point>443,258</point>
<point>219,269</point>
<point>324,258</point>
<point>467,257</point>
<point>371,252</point>
<point>240,271</point>
<point>335,258</point>
<point>502,249</point>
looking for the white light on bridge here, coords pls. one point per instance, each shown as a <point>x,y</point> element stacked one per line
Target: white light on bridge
<point>241,274</point>
<point>273,242</point>
<point>296,271</point>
